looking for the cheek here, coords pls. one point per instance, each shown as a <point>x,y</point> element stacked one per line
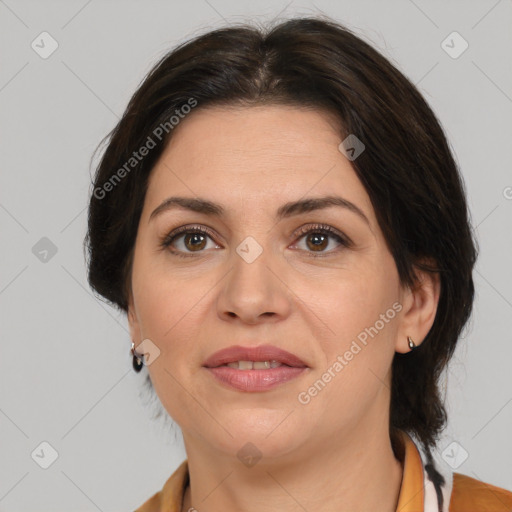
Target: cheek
<point>163,299</point>
<point>171,305</point>
<point>359,318</point>
<point>172,319</point>
<point>344,305</point>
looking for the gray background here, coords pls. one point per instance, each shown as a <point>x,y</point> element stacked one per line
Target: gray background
<point>66,374</point>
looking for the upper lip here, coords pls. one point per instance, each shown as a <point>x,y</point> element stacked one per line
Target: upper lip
<point>259,353</point>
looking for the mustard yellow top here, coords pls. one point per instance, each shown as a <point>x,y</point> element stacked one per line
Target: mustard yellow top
<point>466,494</point>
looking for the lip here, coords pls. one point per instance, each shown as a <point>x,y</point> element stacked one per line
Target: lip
<point>260,353</point>
<point>254,380</point>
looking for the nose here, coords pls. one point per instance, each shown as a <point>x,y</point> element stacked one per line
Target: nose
<point>254,291</point>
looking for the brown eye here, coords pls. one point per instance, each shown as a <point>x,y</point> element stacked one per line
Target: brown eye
<point>188,239</point>
<point>317,241</point>
<point>319,237</point>
<point>194,241</point>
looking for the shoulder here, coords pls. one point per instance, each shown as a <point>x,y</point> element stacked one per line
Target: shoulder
<point>472,495</point>
<point>170,498</point>
<point>153,504</point>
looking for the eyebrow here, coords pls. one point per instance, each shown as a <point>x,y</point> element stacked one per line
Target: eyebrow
<point>290,209</point>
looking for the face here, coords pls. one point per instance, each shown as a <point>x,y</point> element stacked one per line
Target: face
<point>318,282</point>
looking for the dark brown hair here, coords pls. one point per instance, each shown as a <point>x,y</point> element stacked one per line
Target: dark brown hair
<point>407,169</point>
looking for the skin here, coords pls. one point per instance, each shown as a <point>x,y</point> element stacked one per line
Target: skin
<point>324,455</point>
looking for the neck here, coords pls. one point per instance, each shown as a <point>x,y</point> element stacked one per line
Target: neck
<point>358,474</point>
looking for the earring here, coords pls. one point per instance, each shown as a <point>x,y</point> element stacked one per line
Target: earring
<point>411,343</point>
<point>136,362</point>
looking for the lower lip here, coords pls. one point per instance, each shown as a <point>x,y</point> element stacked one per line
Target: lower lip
<point>255,380</point>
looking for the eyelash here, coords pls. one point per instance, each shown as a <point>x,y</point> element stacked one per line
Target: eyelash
<point>305,230</point>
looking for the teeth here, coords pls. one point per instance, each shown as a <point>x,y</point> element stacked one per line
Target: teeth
<point>254,365</point>
<point>260,365</point>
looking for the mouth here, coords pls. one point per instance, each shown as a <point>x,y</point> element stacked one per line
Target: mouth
<point>262,357</point>
<point>254,369</point>
<point>253,365</point>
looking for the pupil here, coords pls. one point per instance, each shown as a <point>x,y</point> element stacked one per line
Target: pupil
<point>195,238</point>
<point>316,238</point>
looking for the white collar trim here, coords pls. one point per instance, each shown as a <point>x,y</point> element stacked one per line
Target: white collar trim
<point>430,495</point>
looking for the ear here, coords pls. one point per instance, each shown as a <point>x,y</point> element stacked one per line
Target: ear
<point>419,309</point>
<point>133,321</point>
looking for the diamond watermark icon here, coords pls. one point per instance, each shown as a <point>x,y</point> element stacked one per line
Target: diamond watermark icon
<point>44,250</point>
<point>44,45</point>
<point>149,351</point>
<point>454,455</point>
<point>44,455</point>
<point>249,455</point>
<point>249,249</point>
<point>454,45</point>
<point>352,147</point>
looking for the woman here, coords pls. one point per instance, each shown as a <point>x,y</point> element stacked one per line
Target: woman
<point>281,218</point>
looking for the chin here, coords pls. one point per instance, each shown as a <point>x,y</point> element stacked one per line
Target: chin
<point>268,434</point>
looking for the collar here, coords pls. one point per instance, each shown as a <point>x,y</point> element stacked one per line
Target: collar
<point>417,492</point>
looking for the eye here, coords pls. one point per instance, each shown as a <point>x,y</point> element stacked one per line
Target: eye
<point>187,239</point>
<point>318,237</point>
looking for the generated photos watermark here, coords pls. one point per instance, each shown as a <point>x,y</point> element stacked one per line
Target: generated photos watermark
<point>304,397</point>
<point>137,156</point>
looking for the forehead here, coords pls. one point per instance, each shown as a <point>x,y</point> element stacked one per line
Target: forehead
<point>262,155</point>
<point>267,130</point>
